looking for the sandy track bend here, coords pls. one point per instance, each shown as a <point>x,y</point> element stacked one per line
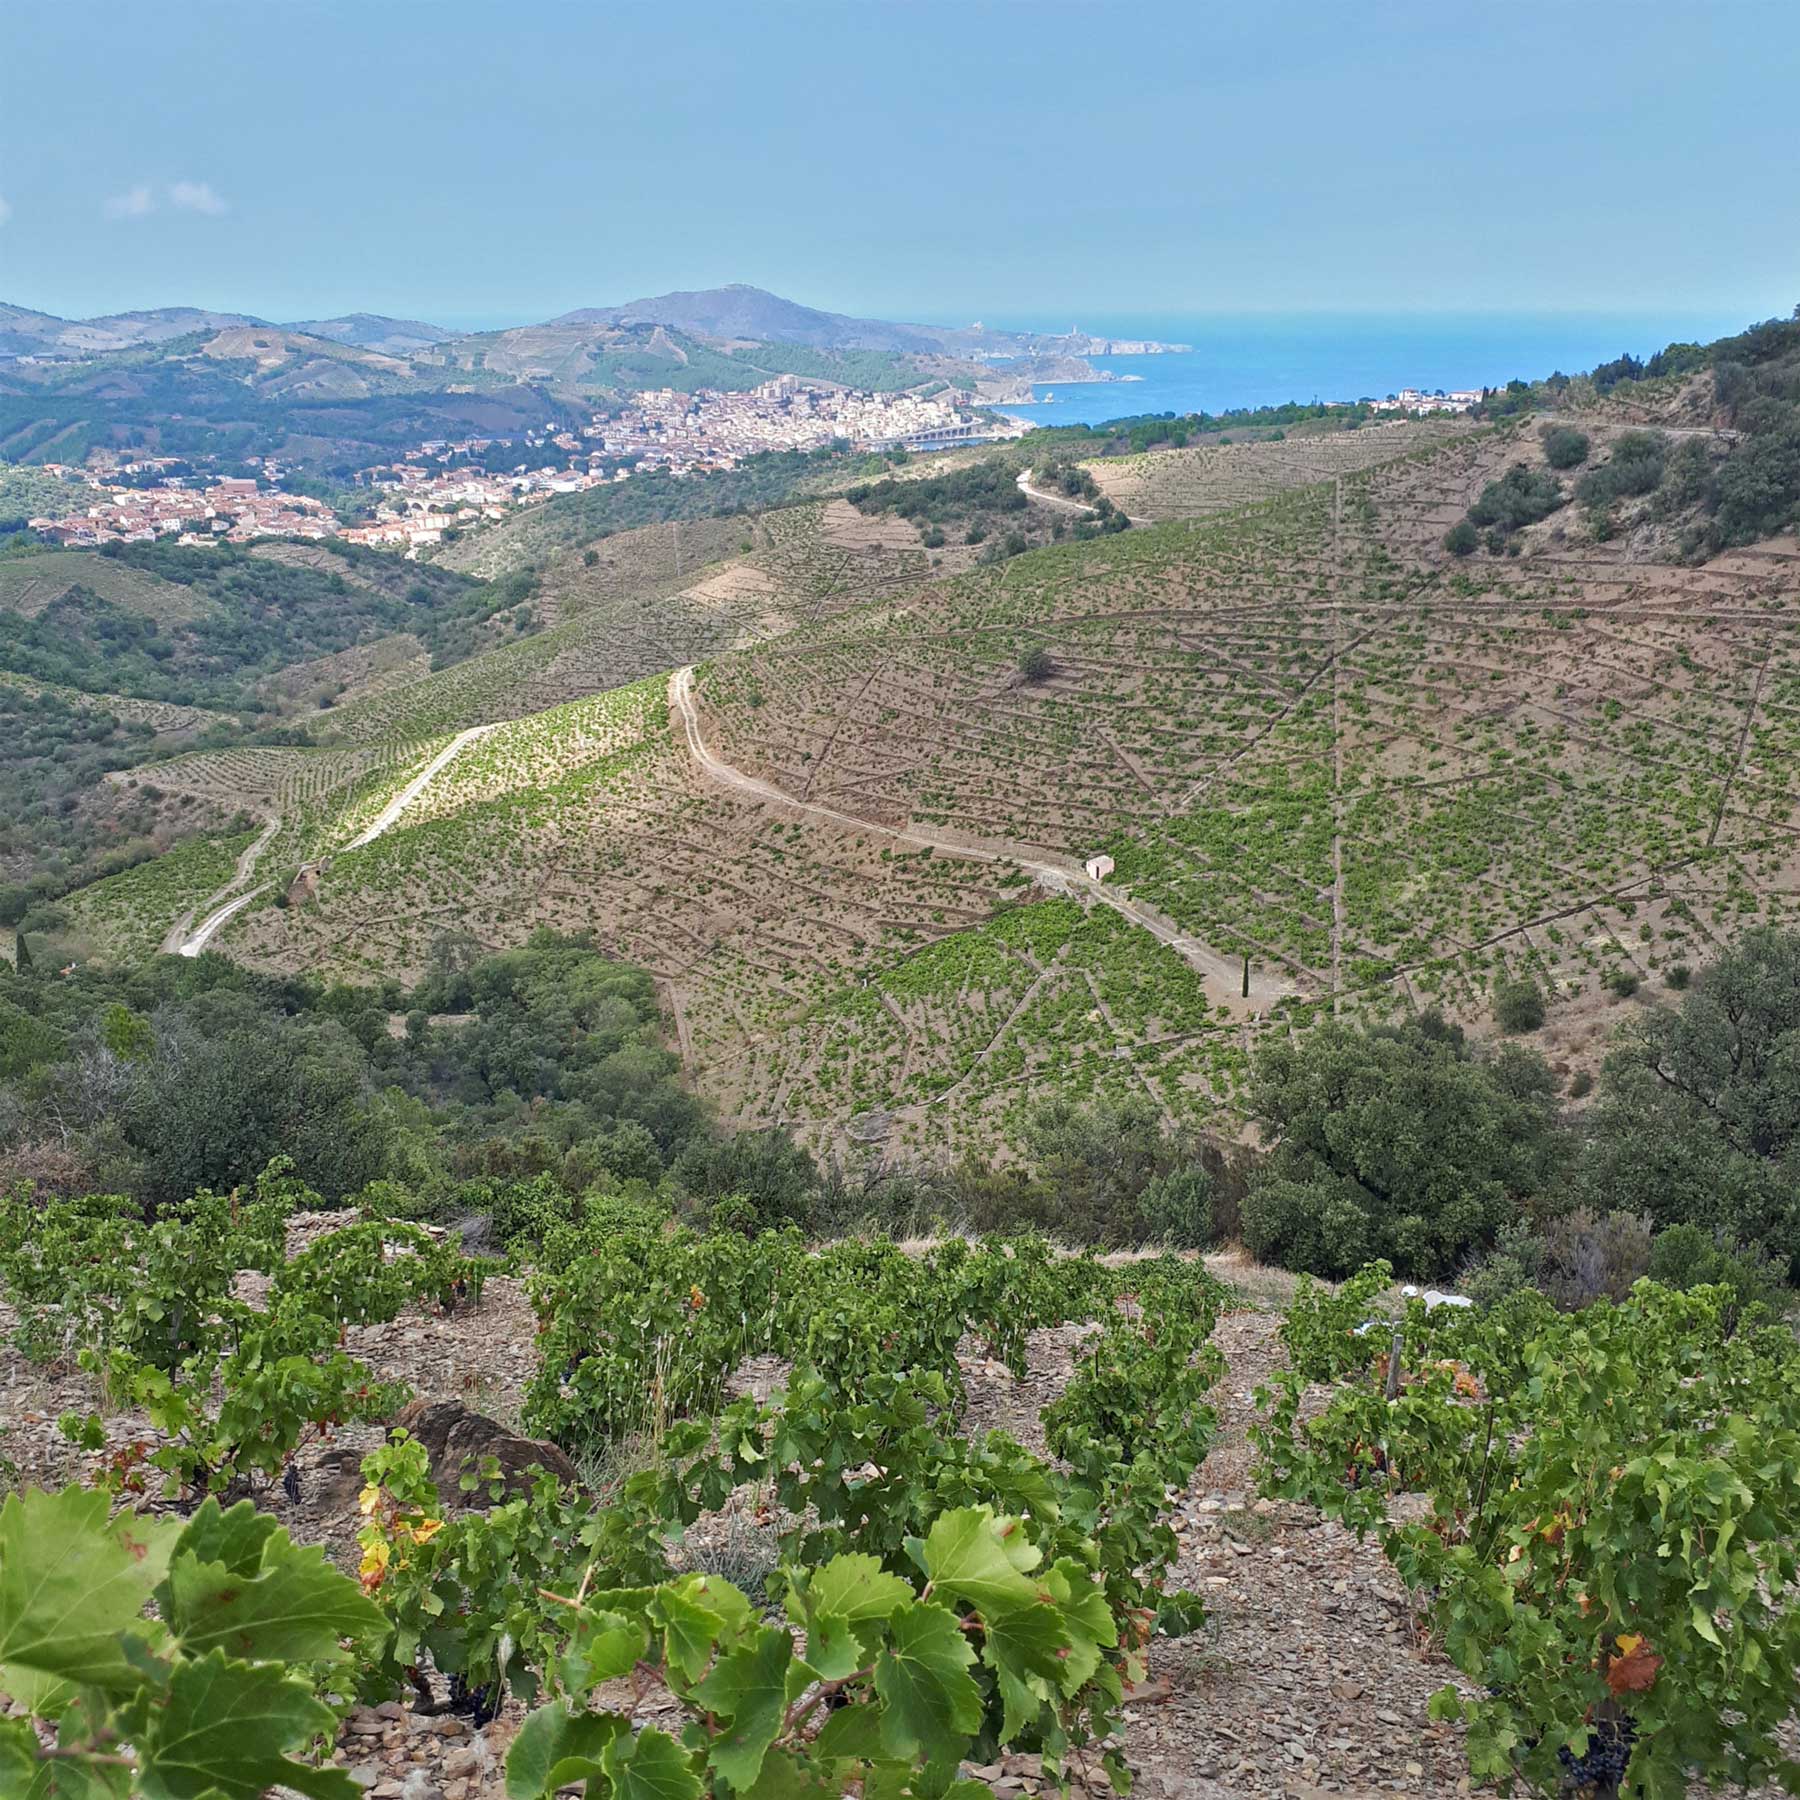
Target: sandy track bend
<point>1063,500</point>
<point>1224,973</point>
<point>178,938</point>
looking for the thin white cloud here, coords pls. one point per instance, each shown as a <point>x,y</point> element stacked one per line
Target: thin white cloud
<point>5,209</point>
<point>196,196</point>
<point>141,201</point>
<point>135,203</point>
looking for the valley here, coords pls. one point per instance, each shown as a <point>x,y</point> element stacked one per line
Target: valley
<point>915,1047</point>
<point>835,789</point>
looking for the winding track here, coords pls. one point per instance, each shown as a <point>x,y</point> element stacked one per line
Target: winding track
<point>1057,877</point>
<point>196,940</point>
<point>1063,500</point>
<point>179,937</point>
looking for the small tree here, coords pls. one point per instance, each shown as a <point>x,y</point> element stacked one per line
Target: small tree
<point>1037,664</point>
<point>1564,446</point>
<point>1518,1006</point>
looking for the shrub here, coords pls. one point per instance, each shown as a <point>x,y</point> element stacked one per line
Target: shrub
<point>1520,497</point>
<point>1635,467</point>
<point>1037,664</point>
<point>1696,1122</point>
<point>1394,1142</point>
<point>1678,976</point>
<point>1461,539</point>
<point>1622,982</point>
<point>1759,487</point>
<point>1176,1208</point>
<point>736,1212</point>
<point>1113,1174</point>
<point>1581,1084</point>
<point>1564,446</point>
<point>774,1173</point>
<point>1686,1257</point>
<point>1572,1260</point>
<point>1589,1256</point>
<point>1518,1005</point>
<point>1315,1226</point>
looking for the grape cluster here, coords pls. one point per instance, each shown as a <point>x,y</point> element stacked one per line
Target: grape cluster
<point>477,1704</point>
<point>1601,1770</point>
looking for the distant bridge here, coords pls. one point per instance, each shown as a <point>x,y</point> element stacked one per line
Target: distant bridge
<point>937,437</point>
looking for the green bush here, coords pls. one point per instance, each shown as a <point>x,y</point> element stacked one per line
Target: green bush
<point>1686,1257</point>
<point>1176,1208</point>
<point>1320,1226</point>
<point>1520,497</point>
<point>1697,1122</point>
<point>1461,539</point>
<point>1564,446</point>
<point>1634,467</point>
<point>1366,1160</point>
<point>1518,1006</point>
<point>736,1212</point>
<point>1037,664</point>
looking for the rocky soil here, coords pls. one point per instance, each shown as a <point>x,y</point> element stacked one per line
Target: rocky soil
<point>1310,1676</point>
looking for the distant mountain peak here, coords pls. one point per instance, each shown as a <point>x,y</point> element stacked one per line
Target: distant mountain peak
<point>375,331</point>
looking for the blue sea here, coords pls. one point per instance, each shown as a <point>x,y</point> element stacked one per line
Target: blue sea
<point>1267,359</point>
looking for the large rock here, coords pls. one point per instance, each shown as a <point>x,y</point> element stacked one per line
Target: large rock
<point>458,1441</point>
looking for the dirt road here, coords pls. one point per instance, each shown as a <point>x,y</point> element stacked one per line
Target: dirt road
<point>179,939</point>
<point>1223,974</point>
<point>419,783</point>
<point>1063,500</point>
<point>193,942</point>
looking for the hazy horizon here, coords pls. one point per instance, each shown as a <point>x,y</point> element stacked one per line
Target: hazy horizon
<point>927,161</point>
<point>1126,319</point>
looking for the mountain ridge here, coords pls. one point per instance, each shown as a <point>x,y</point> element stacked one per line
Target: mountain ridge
<point>735,313</point>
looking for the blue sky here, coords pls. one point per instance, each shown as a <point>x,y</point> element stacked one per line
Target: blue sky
<point>473,162</point>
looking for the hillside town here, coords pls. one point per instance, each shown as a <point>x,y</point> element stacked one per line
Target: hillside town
<point>1418,400</point>
<point>441,486</point>
<point>227,509</point>
<point>444,486</point>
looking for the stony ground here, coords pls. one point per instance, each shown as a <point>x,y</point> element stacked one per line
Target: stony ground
<point>1310,1676</point>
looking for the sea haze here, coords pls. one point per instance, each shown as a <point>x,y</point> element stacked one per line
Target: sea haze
<point>1267,359</point>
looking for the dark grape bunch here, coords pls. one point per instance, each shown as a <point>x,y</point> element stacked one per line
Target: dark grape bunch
<point>477,1704</point>
<point>1600,1773</point>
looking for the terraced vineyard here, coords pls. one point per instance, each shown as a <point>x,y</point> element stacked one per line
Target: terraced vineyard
<point>159,715</point>
<point>318,798</point>
<point>32,584</point>
<point>636,565</point>
<point>1214,478</point>
<point>647,606</point>
<point>1305,733</point>
<point>126,917</point>
<point>543,750</point>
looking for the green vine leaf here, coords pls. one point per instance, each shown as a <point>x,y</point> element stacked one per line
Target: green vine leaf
<point>73,1585</point>
<point>225,1730</point>
<point>750,1688</point>
<point>923,1678</point>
